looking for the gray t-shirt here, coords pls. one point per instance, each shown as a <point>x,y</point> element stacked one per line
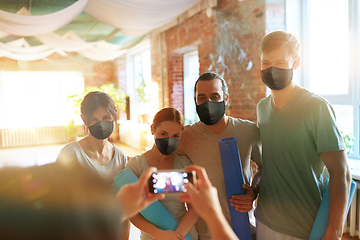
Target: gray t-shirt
<point>200,144</point>
<point>73,152</point>
<point>175,207</point>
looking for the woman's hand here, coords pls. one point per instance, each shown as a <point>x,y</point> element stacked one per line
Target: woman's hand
<point>170,235</point>
<point>135,197</point>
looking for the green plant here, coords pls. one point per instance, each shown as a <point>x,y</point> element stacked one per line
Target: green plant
<point>117,94</point>
<point>141,90</point>
<point>349,142</point>
<point>70,129</point>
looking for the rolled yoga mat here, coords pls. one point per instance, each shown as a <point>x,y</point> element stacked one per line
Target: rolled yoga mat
<point>155,213</point>
<point>233,176</point>
<point>322,216</point>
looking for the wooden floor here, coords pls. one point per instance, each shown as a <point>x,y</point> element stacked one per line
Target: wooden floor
<point>347,237</point>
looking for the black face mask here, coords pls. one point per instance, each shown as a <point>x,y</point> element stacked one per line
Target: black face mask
<point>102,129</point>
<point>166,145</point>
<point>277,78</point>
<point>210,112</point>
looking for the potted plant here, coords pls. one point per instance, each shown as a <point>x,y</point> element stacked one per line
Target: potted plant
<point>349,142</point>
<point>143,104</point>
<point>71,131</point>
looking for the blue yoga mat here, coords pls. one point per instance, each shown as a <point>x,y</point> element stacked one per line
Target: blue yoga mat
<point>322,216</point>
<point>233,176</point>
<point>155,213</point>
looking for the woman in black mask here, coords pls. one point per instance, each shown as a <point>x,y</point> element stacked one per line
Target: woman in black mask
<point>167,127</point>
<point>94,151</point>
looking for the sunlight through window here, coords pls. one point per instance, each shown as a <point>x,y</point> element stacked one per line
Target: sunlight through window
<point>327,51</point>
<point>37,99</point>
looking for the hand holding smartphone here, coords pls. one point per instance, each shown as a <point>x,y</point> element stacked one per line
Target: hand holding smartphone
<point>170,181</point>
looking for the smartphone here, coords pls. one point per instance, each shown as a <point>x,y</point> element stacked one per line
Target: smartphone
<point>170,181</point>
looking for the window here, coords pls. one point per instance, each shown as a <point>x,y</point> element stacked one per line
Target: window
<point>191,74</point>
<point>37,99</point>
<point>328,33</point>
<point>138,71</point>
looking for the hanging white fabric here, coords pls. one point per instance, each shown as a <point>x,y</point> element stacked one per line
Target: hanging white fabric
<point>4,34</point>
<point>137,17</point>
<point>29,56</point>
<point>22,46</point>
<point>21,24</point>
<point>99,55</point>
<point>62,42</point>
<point>97,51</point>
<point>101,51</point>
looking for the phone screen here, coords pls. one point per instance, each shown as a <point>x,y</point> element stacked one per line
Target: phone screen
<point>169,182</point>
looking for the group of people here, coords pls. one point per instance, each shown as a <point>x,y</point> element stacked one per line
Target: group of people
<point>295,147</point>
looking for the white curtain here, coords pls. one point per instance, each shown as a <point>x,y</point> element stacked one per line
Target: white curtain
<point>137,17</point>
<point>95,52</point>
<point>22,24</point>
<point>62,42</point>
<point>20,49</point>
<point>29,56</point>
<point>132,17</point>
<point>22,46</point>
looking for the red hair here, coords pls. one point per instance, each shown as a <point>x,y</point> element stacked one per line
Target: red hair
<point>168,114</point>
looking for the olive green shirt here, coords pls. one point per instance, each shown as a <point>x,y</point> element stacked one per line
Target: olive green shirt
<point>294,175</point>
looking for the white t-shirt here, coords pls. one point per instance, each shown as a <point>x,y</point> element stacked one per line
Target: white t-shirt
<point>175,207</point>
<point>73,152</point>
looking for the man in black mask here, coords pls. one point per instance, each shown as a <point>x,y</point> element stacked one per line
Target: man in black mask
<point>301,146</point>
<point>200,141</point>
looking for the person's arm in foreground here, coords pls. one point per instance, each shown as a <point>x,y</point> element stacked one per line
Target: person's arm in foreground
<point>188,221</point>
<point>144,225</point>
<point>135,197</point>
<point>339,188</point>
<point>244,203</point>
<point>204,199</point>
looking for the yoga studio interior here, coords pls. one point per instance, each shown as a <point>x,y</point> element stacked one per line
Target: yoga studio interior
<point>148,54</point>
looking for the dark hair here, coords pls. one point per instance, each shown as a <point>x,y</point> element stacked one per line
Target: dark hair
<point>168,114</point>
<point>54,201</point>
<point>94,100</point>
<point>211,76</point>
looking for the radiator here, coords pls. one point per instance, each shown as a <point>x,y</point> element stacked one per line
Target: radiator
<point>22,137</point>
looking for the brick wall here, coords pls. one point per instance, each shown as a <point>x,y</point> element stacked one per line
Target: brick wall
<point>101,73</point>
<point>227,39</point>
<point>242,26</point>
<point>95,73</point>
<point>196,32</point>
<point>120,75</point>
<point>176,86</point>
<point>120,65</point>
<point>159,70</point>
<point>275,15</point>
